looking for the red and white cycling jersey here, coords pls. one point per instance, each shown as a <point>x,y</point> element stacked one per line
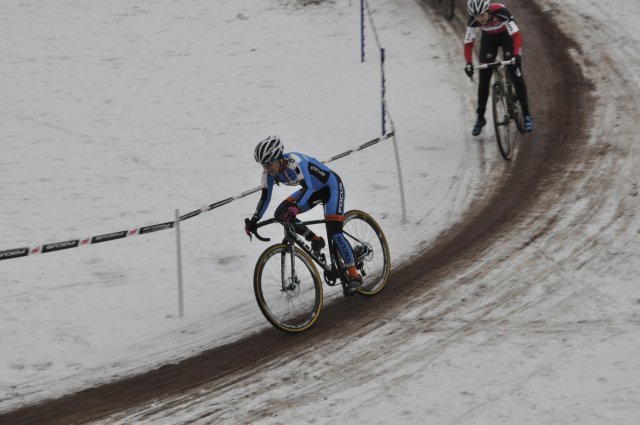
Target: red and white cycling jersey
<point>500,20</point>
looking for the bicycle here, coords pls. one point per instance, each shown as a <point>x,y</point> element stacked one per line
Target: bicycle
<point>506,108</point>
<point>287,284</point>
<point>448,7</point>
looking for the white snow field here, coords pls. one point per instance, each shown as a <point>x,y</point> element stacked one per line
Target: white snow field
<point>117,113</point>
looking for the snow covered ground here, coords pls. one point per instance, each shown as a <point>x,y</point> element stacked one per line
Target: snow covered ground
<point>117,113</point>
<point>114,115</point>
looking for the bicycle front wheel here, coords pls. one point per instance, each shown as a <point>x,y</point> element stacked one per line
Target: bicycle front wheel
<point>370,249</point>
<point>501,121</point>
<point>289,293</point>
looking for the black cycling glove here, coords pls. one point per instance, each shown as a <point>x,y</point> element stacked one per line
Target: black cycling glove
<point>469,70</point>
<point>250,225</point>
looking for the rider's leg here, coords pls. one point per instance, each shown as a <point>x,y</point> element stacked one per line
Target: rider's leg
<point>516,75</point>
<point>483,91</point>
<point>334,231</point>
<point>317,242</point>
<point>318,197</point>
<point>483,97</point>
<point>300,228</point>
<point>488,52</point>
<point>334,214</point>
<point>521,88</point>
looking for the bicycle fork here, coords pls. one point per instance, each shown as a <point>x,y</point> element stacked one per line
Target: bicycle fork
<point>288,284</point>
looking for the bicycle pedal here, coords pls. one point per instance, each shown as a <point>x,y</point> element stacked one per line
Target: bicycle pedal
<point>349,290</point>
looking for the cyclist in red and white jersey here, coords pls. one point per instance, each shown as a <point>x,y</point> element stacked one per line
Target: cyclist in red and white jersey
<point>498,30</point>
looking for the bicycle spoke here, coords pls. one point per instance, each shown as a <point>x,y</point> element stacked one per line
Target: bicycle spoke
<point>370,249</point>
<point>290,301</point>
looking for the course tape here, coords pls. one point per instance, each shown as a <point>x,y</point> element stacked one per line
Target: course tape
<point>8,254</point>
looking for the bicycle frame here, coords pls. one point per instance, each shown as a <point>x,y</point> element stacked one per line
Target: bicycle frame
<point>501,68</point>
<point>289,293</point>
<point>506,107</point>
<point>502,79</point>
<point>331,270</point>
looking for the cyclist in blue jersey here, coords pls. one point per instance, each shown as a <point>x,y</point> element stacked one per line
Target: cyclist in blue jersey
<point>319,185</point>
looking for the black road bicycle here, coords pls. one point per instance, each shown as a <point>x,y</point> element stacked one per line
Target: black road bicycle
<point>508,119</point>
<point>287,284</point>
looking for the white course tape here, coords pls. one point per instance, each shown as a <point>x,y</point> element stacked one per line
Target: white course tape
<point>8,254</point>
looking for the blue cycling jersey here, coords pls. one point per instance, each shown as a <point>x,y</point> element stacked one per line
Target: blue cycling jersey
<point>301,170</point>
<point>319,185</point>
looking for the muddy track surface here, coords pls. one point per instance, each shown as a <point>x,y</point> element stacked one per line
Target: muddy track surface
<point>561,105</point>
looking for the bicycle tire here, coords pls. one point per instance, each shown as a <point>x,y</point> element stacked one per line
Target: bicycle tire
<point>371,250</point>
<point>501,121</point>
<point>293,307</point>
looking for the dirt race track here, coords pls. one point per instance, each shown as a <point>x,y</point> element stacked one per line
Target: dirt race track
<point>523,208</point>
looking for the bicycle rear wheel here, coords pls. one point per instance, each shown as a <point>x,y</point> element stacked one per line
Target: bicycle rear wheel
<point>290,300</point>
<point>501,122</point>
<point>370,249</point>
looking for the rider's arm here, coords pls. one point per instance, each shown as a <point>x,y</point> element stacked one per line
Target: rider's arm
<point>517,43</point>
<point>512,28</point>
<point>306,182</point>
<point>469,39</point>
<point>265,197</point>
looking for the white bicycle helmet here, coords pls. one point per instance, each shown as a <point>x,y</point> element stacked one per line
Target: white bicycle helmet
<point>269,149</point>
<point>477,7</point>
